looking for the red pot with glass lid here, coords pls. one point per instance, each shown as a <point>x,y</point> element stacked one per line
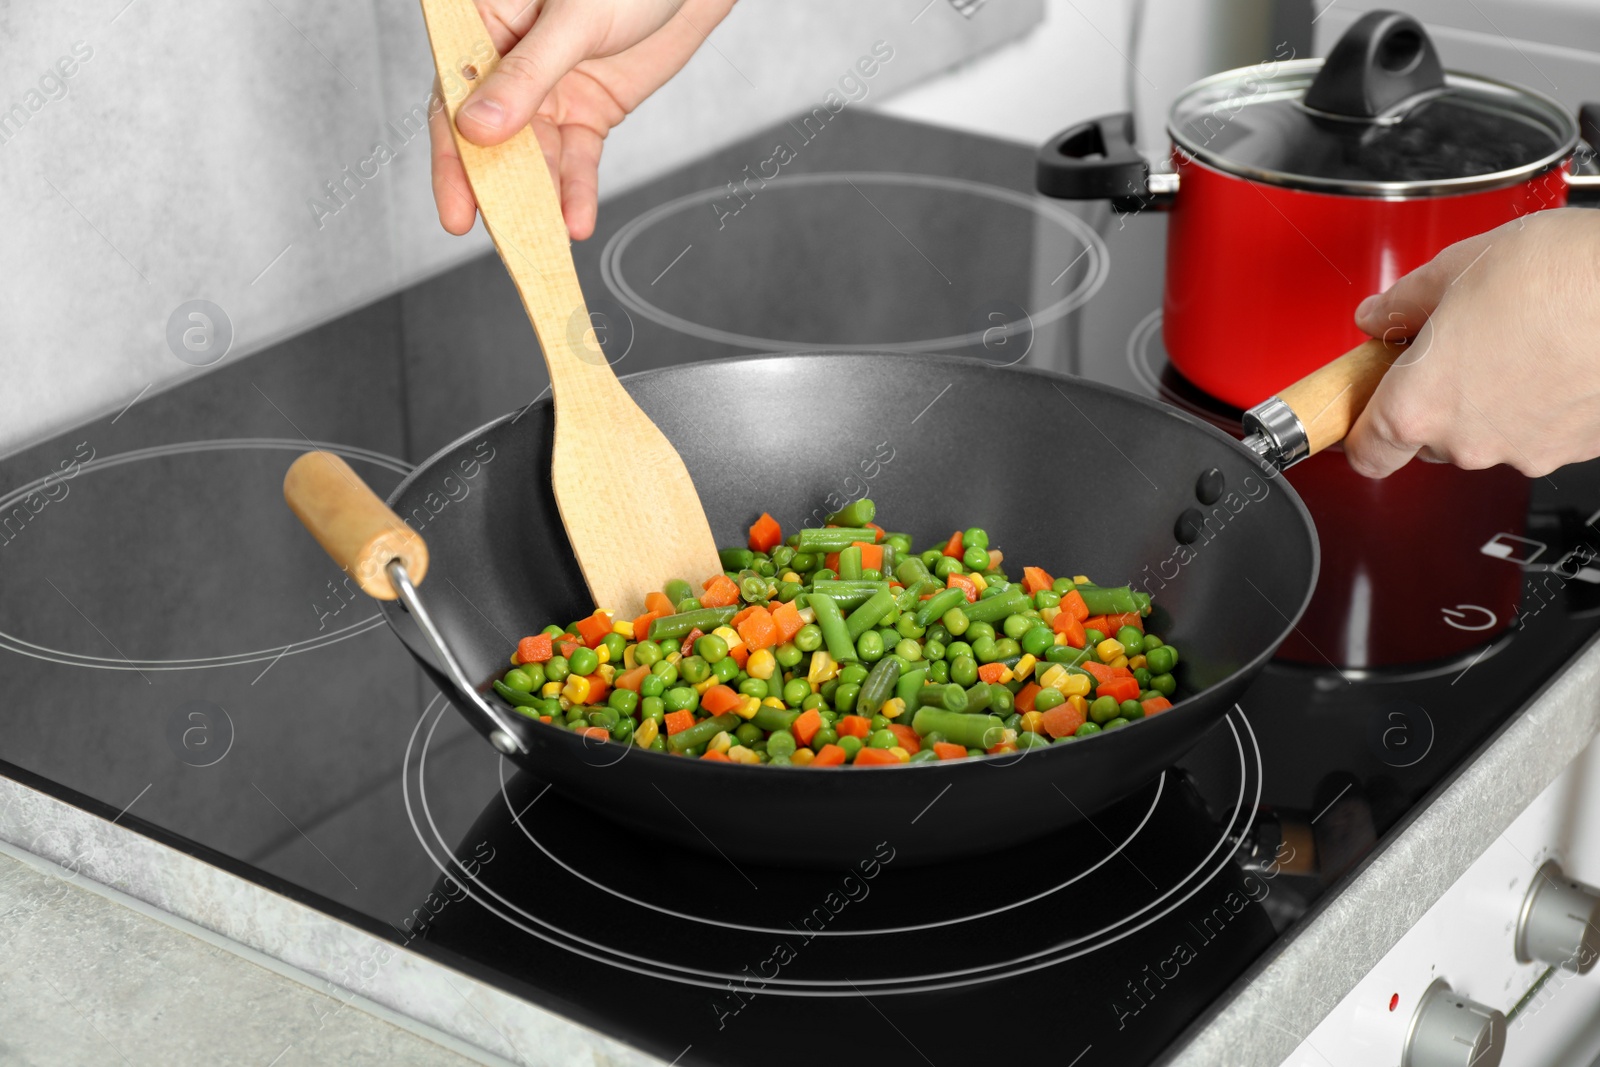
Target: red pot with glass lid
<point>1299,188</point>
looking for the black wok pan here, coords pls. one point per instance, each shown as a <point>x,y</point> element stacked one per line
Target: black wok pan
<point>1066,474</point>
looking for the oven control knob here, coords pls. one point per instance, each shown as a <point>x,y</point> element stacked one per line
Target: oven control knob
<point>1448,1030</point>
<point>1558,922</point>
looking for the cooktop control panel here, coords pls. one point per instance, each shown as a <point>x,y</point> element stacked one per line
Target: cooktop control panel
<point>1497,972</point>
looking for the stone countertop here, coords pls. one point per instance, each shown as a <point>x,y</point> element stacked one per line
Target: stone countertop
<point>122,930</point>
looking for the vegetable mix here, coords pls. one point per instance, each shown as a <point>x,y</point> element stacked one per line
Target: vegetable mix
<point>843,645</point>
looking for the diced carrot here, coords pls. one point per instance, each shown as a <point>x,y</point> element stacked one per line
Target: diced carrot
<point>658,603</point>
<point>719,699</point>
<point>740,654</point>
<point>875,757</point>
<point>1001,748</point>
<point>908,737</point>
<point>630,680</point>
<point>831,561</point>
<point>678,721</point>
<point>1104,673</point>
<point>992,672</point>
<point>567,645</point>
<point>1117,622</point>
<point>828,756</point>
<point>598,687</point>
<point>1098,622</point>
<point>535,649</point>
<point>596,733</point>
<point>1024,698</point>
<point>946,750</point>
<point>1156,705</point>
<point>1061,720</point>
<point>743,614</point>
<point>715,756</point>
<point>641,626</point>
<point>871,555</point>
<point>758,630</point>
<point>1067,624</point>
<point>965,584</point>
<point>1072,604</point>
<point>1119,689</point>
<point>1035,579</point>
<point>853,726</point>
<point>720,592</point>
<point>787,619</point>
<point>765,534</point>
<point>593,630</point>
<point>996,557</point>
<point>878,533</point>
<point>686,648</point>
<point>806,725</point>
<point>544,718</point>
<point>953,546</point>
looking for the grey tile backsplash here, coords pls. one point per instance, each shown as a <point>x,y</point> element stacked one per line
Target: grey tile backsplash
<point>153,152</point>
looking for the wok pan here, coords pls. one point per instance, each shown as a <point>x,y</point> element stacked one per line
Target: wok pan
<point>1064,473</point>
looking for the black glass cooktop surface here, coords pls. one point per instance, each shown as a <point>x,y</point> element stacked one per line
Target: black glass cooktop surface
<point>178,653</point>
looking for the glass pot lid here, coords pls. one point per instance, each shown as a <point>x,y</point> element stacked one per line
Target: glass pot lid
<point>1378,117</point>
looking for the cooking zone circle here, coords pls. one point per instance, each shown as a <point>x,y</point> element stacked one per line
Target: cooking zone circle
<point>34,533</point>
<point>868,967</point>
<point>712,251</point>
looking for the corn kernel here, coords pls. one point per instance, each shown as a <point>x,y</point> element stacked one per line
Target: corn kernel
<point>674,658</point>
<point>1051,674</point>
<point>576,689</point>
<point>730,635</point>
<point>1024,666</point>
<point>550,689</point>
<point>900,754</point>
<point>802,757</point>
<point>701,687</point>
<point>977,580</point>
<point>761,664</point>
<point>646,734</point>
<point>602,653</point>
<point>790,576</point>
<point>773,702</point>
<point>721,743</point>
<point>1049,615</point>
<point>1136,662</point>
<point>1033,720</point>
<point>822,667</point>
<point>607,671</point>
<point>1120,661</point>
<point>1075,685</point>
<point>564,702</point>
<point>748,706</point>
<point>1061,639</point>
<point>1109,649</point>
<point>1081,579</point>
<point>515,662</point>
<point>625,628</point>
<point>808,614</point>
<point>740,754</point>
<point>1080,704</point>
<point>893,708</point>
<point>629,660</point>
<point>1006,674</point>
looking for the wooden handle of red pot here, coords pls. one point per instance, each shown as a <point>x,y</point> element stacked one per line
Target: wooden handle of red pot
<point>1330,399</point>
<point>351,523</point>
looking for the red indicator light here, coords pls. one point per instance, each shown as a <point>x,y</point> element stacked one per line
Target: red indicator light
<point>1394,1001</point>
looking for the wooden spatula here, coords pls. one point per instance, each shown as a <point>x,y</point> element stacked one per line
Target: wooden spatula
<point>630,509</point>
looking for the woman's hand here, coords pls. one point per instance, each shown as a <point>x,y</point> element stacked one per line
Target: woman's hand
<point>1505,365</point>
<point>572,69</point>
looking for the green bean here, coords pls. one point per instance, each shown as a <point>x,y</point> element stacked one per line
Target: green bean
<point>1068,656</point>
<point>512,696</point>
<point>950,697</point>
<point>979,697</point>
<point>834,631</point>
<point>995,608</point>
<point>908,685</point>
<point>849,594</point>
<point>702,732</point>
<point>679,625</point>
<point>887,567</point>
<point>868,614</point>
<point>834,538</point>
<point>770,718</point>
<point>879,684</point>
<point>856,513</point>
<point>736,559</point>
<point>1114,600</point>
<point>850,564</point>
<point>940,603</point>
<point>911,571</point>
<point>911,596</point>
<point>677,590</point>
<point>972,731</point>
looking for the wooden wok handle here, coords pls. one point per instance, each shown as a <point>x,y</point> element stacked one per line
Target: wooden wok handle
<point>356,528</point>
<point>1318,411</point>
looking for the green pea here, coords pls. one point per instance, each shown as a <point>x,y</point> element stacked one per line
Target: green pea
<point>851,745</point>
<point>878,722</point>
<point>748,733</point>
<point>1005,648</point>
<point>978,630</point>
<point>577,715</point>
<point>623,730</point>
<point>933,650</point>
<point>677,589</point>
<point>854,674</point>
<point>787,591</point>
<point>1103,709</point>
<point>753,687</point>
<point>606,717</point>
<point>669,645</point>
<point>1046,598</point>
<point>694,670</point>
<point>1142,675</point>
<point>556,669</point>
<point>1016,625</point>
<point>1093,637</point>
<point>653,708</point>
<point>1037,640</point>
<point>667,672</point>
<point>711,648</point>
<point>1131,710</point>
<point>688,603</point>
<point>955,620</point>
<point>519,680</point>
<point>984,649</point>
<point>936,632</point>
<point>1131,640</point>
<point>824,736</point>
<point>957,649</point>
<point>1000,699</point>
<point>827,690</point>
<point>624,700</point>
<point>1062,586</point>
<point>788,655</point>
<point>1165,684</point>
<point>1086,730</point>
<point>882,739</point>
<point>964,671</point>
<point>1045,699</point>
<point>553,630</point>
<point>813,700</point>
<point>780,743</point>
<point>681,698</point>
<point>1116,724</point>
<point>795,692</point>
<point>583,660</point>
<point>809,638</point>
<point>652,685</point>
<point>975,558</point>
<point>890,635</point>
<point>844,697</point>
<point>924,755</point>
<point>803,561</point>
<point>725,669</point>
<point>977,537</point>
<point>869,646</point>
<point>1014,721</point>
<point>615,645</point>
<point>907,627</point>
<point>939,671</point>
<point>647,653</point>
<point>1152,641</point>
<point>1161,659</point>
<point>948,565</point>
<point>908,650</point>
<point>931,557</point>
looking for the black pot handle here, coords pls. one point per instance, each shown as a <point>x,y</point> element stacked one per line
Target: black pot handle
<point>1583,186</point>
<point>1093,160</point>
<point>1383,59</point>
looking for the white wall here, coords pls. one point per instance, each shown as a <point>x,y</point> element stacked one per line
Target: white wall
<point>179,158</point>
